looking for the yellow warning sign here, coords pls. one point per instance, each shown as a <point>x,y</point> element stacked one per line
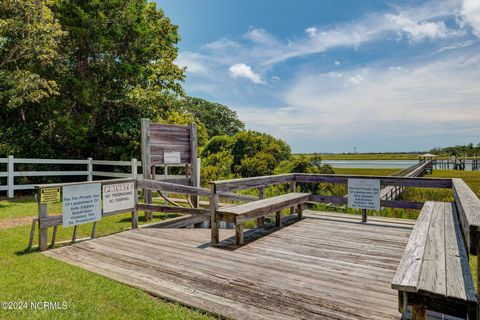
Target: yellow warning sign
<point>49,195</point>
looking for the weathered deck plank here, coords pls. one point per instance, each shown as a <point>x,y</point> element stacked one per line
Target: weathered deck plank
<point>326,266</point>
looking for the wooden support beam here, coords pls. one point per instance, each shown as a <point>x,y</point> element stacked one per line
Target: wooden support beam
<point>74,236</point>
<point>214,223</point>
<point>94,228</point>
<point>239,233</point>
<point>300,211</point>
<point>42,231</point>
<point>364,215</point>
<point>193,162</point>
<point>278,219</point>
<point>418,312</point>
<point>293,188</point>
<point>261,195</point>
<point>54,236</point>
<point>478,267</point>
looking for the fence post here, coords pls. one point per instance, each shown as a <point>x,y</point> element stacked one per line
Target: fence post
<point>134,168</point>
<point>199,184</point>
<point>10,178</point>
<point>90,169</point>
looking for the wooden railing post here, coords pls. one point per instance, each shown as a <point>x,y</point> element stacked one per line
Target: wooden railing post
<point>364,215</point>
<point>135,211</point>
<point>214,223</point>
<point>10,176</point>
<point>42,231</point>
<point>478,265</point>
<point>293,188</point>
<point>194,162</point>
<point>261,195</point>
<point>418,312</point>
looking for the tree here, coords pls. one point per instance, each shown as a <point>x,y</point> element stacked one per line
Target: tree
<point>29,39</point>
<point>120,58</point>
<point>308,164</point>
<point>219,119</point>
<point>248,153</point>
<point>113,66</point>
<point>248,143</point>
<point>304,164</point>
<point>218,144</point>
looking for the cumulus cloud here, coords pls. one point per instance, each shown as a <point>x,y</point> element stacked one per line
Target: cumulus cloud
<point>241,70</point>
<point>471,14</point>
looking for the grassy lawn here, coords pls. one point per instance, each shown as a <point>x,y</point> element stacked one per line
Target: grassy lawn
<point>370,156</point>
<point>23,207</point>
<point>365,171</point>
<point>35,277</point>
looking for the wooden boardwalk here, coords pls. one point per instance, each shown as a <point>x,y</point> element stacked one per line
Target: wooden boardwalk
<point>327,266</point>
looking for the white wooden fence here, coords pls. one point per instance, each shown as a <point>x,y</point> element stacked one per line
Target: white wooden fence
<point>10,174</point>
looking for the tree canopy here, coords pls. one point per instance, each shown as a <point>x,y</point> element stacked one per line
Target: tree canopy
<point>97,67</point>
<point>76,77</point>
<point>218,119</point>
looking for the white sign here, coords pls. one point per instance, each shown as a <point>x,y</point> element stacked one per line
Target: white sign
<point>81,204</point>
<point>119,196</point>
<point>364,194</point>
<point>171,157</point>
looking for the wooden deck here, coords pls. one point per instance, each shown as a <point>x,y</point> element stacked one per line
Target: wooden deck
<point>327,266</point>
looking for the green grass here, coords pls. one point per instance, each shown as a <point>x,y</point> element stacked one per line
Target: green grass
<point>370,156</point>
<point>34,277</point>
<point>24,207</point>
<point>365,171</point>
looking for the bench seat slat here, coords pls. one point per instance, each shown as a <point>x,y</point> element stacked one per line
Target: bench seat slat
<point>443,268</point>
<point>408,272</point>
<point>459,279</point>
<point>283,200</point>
<point>433,277</point>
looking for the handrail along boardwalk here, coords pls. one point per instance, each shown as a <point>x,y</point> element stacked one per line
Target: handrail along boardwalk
<point>354,262</point>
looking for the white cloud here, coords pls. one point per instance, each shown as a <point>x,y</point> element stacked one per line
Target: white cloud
<point>356,79</point>
<point>259,35</point>
<point>419,30</point>
<point>312,31</point>
<point>222,44</point>
<point>456,46</point>
<point>241,70</point>
<point>406,105</point>
<point>337,63</point>
<point>471,13</point>
<point>193,61</point>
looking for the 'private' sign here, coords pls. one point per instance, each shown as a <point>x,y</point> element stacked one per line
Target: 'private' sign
<point>118,197</point>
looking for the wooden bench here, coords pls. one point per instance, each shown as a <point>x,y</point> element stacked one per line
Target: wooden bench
<point>238,214</point>
<point>434,271</point>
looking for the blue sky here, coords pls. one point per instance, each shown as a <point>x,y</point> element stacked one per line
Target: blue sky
<point>327,76</point>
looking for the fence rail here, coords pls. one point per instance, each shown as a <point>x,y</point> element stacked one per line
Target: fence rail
<point>93,168</point>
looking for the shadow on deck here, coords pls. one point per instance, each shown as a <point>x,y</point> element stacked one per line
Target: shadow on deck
<point>327,266</point>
